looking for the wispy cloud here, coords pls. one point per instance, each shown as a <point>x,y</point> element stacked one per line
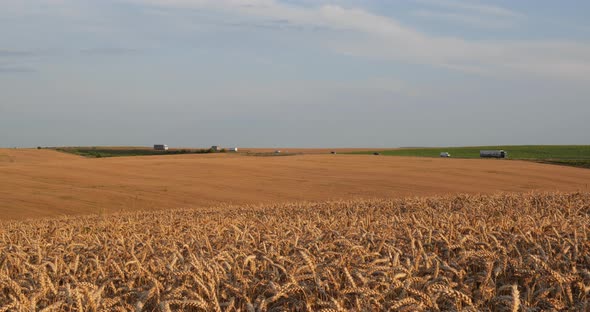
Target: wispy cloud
<point>474,7</point>
<point>372,35</point>
<point>16,69</point>
<point>465,19</point>
<point>365,34</point>
<point>15,53</point>
<point>468,12</point>
<point>108,51</point>
<point>10,58</point>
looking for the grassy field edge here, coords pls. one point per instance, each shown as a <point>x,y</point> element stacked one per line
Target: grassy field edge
<point>568,155</point>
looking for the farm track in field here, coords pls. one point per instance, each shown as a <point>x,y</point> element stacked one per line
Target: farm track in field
<point>41,183</point>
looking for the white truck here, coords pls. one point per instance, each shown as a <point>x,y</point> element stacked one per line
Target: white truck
<point>445,154</point>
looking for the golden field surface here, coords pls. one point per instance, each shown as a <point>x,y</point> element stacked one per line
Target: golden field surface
<point>511,252</point>
<point>43,183</point>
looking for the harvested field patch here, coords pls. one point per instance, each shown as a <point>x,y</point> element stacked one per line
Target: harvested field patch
<point>41,183</point>
<point>508,252</point>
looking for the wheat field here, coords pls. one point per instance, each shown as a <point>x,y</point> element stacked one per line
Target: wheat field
<point>506,252</point>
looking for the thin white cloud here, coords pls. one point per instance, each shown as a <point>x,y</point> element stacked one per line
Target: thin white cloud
<point>365,34</point>
<point>372,35</point>
<point>16,69</point>
<point>10,61</point>
<point>23,8</point>
<point>468,12</point>
<point>108,51</point>
<point>465,19</point>
<point>473,6</point>
<point>15,53</point>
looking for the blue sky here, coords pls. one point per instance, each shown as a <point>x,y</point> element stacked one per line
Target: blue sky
<point>294,73</point>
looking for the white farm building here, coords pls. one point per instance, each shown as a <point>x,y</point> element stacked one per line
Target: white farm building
<point>160,147</point>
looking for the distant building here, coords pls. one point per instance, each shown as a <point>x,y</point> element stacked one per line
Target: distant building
<point>493,154</point>
<point>160,147</point>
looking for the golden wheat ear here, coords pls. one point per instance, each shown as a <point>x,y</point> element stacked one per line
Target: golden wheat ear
<point>504,252</point>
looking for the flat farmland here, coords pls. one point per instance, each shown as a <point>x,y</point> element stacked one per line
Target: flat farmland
<point>42,183</point>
